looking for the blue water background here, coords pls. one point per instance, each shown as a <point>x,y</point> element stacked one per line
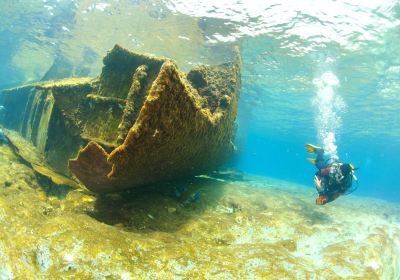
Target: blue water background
<point>267,153</point>
<point>264,149</point>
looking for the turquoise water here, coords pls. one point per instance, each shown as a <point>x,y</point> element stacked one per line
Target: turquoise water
<point>323,72</point>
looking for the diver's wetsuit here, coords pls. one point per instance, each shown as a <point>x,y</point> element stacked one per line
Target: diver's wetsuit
<point>334,182</point>
<point>333,178</point>
<point>324,159</point>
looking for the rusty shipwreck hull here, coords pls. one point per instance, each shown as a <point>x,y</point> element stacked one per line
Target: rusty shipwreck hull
<point>142,121</point>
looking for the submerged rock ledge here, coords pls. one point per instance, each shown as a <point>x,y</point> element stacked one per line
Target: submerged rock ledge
<point>141,122</point>
<point>251,229</point>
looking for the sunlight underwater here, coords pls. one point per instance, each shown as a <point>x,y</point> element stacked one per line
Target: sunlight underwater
<point>327,74</point>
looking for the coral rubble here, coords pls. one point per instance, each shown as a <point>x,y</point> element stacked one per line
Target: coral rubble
<point>141,122</point>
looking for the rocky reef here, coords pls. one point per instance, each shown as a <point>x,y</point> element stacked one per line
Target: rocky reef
<point>141,122</point>
<point>249,228</point>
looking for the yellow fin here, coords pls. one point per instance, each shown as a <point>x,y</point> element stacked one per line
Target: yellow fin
<point>312,160</point>
<point>312,149</point>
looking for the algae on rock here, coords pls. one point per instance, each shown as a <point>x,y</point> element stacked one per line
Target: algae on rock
<point>142,121</point>
<point>241,226</point>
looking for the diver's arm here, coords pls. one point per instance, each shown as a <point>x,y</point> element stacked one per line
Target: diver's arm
<point>318,183</point>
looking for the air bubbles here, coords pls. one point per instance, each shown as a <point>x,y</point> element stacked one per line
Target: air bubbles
<point>326,82</point>
<point>328,105</point>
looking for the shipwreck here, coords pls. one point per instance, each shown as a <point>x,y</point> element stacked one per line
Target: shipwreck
<point>142,121</point>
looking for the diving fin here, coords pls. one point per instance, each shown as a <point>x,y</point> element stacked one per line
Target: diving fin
<point>353,168</point>
<point>311,149</point>
<point>312,160</point>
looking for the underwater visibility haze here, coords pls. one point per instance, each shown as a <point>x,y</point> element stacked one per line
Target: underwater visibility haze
<point>251,83</point>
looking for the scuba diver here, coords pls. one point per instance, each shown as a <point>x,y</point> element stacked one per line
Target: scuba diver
<point>333,178</point>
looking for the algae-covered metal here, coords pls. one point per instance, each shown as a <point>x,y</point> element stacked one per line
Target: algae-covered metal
<point>142,121</point>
